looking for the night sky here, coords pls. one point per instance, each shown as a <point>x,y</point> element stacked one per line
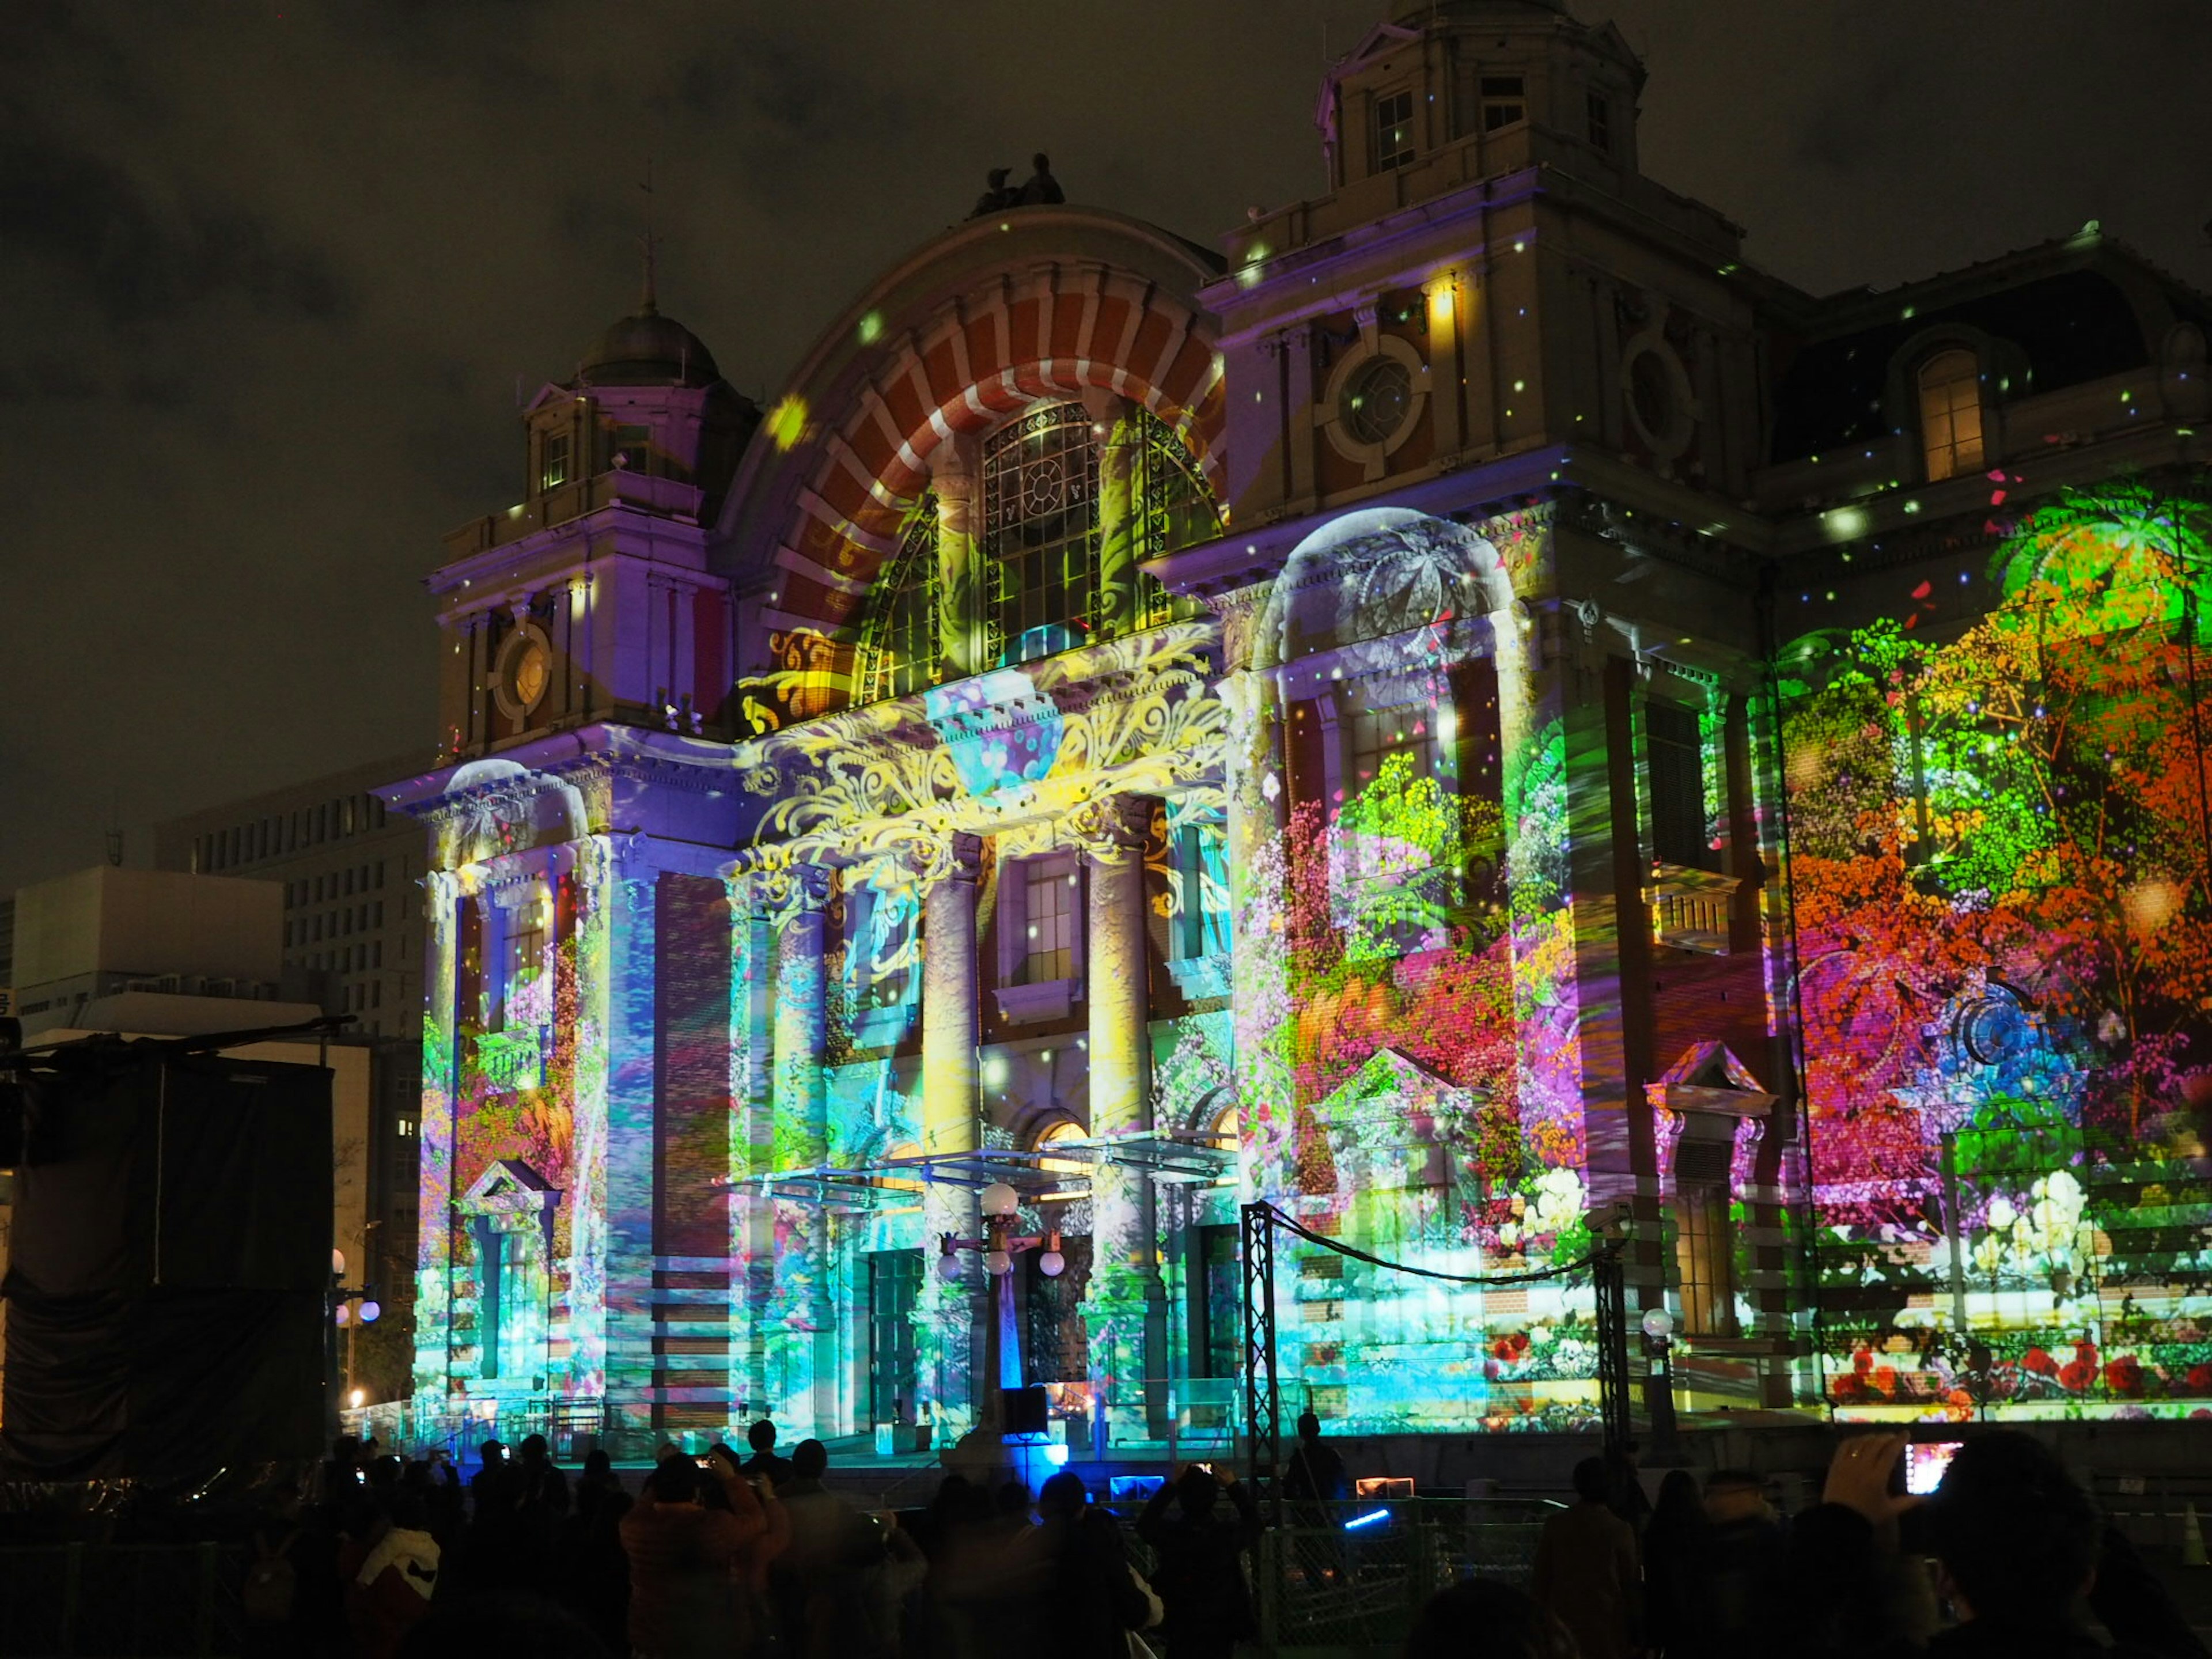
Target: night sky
<point>272,269</point>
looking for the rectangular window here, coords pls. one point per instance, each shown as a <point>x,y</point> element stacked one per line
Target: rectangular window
<point>1951,414</point>
<point>1051,891</point>
<point>1676,768</point>
<point>1390,895</point>
<point>633,448</point>
<point>552,461</point>
<point>1601,122</point>
<point>1503,102</point>
<point>525,953</point>
<point>1202,867</point>
<point>1394,130</point>
<point>1704,1245</point>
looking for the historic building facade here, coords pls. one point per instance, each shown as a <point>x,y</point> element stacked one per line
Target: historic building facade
<point>1474,715</point>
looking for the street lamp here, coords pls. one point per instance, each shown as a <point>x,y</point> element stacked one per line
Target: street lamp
<point>1000,1206</point>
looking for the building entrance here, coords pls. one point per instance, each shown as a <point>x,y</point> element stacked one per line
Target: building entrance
<point>894,1286</point>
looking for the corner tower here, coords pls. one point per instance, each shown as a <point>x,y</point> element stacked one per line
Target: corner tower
<point>591,599</point>
<point>1490,273</point>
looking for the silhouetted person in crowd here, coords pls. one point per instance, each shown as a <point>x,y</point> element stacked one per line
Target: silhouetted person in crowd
<point>1083,1601</point>
<point>2021,1547</point>
<point>996,194</point>
<point>687,1562</point>
<point>1586,1573</point>
<point>1744,1549</point>
<point>594,1572</point>
<point>764,1461</point>
<point>1677,1561</point>
<point>391,1589</point>
<point>1313,1469</point>
<point>1040,188</point>
<point>1197,1571</point>
<point>1482,1618</point>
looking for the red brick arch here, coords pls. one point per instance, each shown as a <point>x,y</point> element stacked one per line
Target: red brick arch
<point>967,354</point>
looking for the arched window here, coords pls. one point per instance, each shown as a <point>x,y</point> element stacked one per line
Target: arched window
<point>1058,544</point>
<point>1040,533</point>
<point>1951,414</point>
<point>899,640</point>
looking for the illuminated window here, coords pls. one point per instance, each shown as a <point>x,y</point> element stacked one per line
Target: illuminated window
<point>525,956</point>
<point>1051,891</point>
<point>1503,101</point>
<point>553,460</point>
<point>1376,400</point>
<point>1394,130</point>
<point>1951,414</point>
<point>1675,765</point>
<point>1705,1244</point>
<point>1041,530</point>
<point>1201,864</point>
<point>1601,122</point>
<point>880,953</point>
<point>1394,864</point>
<point>899,638</point>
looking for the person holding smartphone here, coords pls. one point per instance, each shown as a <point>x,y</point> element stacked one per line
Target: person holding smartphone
<point>1197,1571</point>
<point>691,1566</point>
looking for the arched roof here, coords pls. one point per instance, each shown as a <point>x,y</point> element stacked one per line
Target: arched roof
<point>1028,304</point>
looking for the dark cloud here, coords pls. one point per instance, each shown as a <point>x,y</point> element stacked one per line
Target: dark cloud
<point>271,270</point>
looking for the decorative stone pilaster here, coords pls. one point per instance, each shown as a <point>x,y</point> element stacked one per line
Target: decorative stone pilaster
<point>948,1330</point>
<point>800,1324</point>
<point>434,1245</point>
<point>627,999</point>
<point>752,1142</point>
<point>1259,964</point>
<point>959,577</point>
<point>1120,515</point>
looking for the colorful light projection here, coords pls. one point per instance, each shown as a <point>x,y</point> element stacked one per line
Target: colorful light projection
<point>1405,999</point>
<point>1998,867</point>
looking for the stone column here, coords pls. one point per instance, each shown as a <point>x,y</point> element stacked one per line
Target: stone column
<point>960,595</point>
<point>949,1331</point>
<point>799,1319</point>
<point>1125,1304</point>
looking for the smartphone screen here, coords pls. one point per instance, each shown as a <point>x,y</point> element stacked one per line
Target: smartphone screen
<point>1924,1463</point>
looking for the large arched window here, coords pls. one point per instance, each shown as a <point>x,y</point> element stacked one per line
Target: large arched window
<point>899,640</point>
<point>1068,511</point>
<point>1950,385</point>
<point>1059,530</point>
<point>1040,533</point>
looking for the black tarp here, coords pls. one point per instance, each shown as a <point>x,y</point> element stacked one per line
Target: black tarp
<point>169,1267</point>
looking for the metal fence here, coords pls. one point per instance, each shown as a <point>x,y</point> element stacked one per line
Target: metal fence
<point>155,1599</point>
<point>1351,1575</point>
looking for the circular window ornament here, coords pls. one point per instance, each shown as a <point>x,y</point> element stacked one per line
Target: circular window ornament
<point>1662,408</point>
<point>1376,400</point>
<point>525,674</point>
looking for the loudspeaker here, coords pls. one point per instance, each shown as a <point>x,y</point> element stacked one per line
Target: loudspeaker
<point>1024,1411</point>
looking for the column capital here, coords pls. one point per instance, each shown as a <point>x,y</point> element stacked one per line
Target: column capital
<point>953,855</point>
<point>1108,830</point>
<point>792,890</point>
